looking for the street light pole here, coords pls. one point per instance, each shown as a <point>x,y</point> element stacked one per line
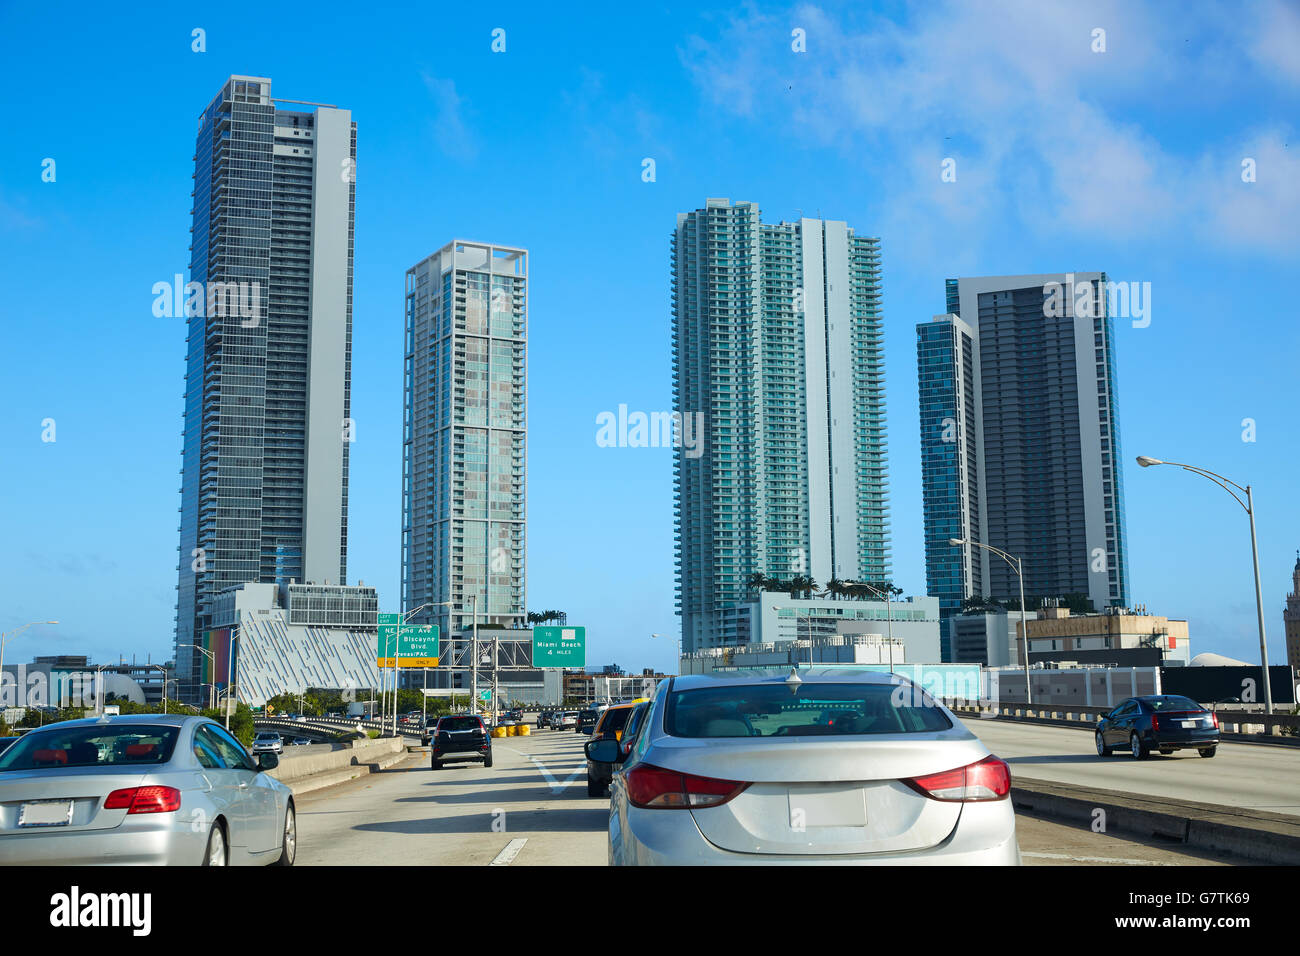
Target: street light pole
<point>1249,504</point>
<point>230,674</point>
<point>212,688</point>
<point>164,694</point>
<point>889,618</point>
<point>4,639</point>
<point>1016,564</point>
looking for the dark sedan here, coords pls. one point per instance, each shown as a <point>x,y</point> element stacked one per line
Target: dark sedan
<point>1164,722</point>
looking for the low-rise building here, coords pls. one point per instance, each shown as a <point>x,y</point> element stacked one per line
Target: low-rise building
<point>774,617</point>
<point>1118,637</point>
<point>289,638</point>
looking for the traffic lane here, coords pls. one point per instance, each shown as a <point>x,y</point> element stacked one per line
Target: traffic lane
<point>1255,776</point>
<point>1047,842</point>
<point>463,814</point>
<point>469,815</point>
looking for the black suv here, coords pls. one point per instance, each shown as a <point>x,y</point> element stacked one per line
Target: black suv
<point>463,737</point>
<point>587,720</point>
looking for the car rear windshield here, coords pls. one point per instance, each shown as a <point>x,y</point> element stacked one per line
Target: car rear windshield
<point>587,715</point>
<point>1173,703</point>
<point>766,710</point>
<point>614,720</point>
<point>96,746</point>
<point>459,723</point>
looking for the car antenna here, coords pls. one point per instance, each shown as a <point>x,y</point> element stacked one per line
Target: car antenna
<point>794,680</point>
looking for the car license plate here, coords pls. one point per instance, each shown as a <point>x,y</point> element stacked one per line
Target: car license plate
<point>46,813</point>
<point>827,807</point>
<point>1190,723</point>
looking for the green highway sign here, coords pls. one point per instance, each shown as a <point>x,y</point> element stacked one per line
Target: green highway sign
<point>413,645</point>
<point>559,646</point>
<point>485,695</point>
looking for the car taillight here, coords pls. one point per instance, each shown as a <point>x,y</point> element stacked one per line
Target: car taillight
<point>655,788</point>
<point>144,800</point>
<point>1215,717</point>
<point>1155,721</point>
<point>989,779</point>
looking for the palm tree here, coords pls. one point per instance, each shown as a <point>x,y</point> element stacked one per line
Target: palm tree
<point>756,581</point>
<point>834,588</point>
<point>802,584</point>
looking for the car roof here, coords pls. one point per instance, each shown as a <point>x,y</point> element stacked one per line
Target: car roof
<point>169,720</point>
<point>779,675</point>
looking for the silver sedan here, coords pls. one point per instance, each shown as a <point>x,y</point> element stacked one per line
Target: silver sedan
<point>814,765</point>
<point>142,789</point>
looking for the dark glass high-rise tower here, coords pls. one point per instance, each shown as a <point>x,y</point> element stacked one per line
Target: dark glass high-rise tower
<point>1020,440</point>
<point>267,403</point>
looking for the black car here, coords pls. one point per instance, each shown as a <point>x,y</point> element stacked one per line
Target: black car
<point>1164,722</point>
<point>621,725</point>
<point>543,719</point>
<point>463,737</point>
<point>587,720</point>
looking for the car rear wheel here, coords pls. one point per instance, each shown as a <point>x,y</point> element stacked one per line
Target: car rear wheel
<point>593,788</point>
<point>487,761</point>
<point>215,855</point>
<point>1102,749</point>
<point>1138,749</point>
<point>289,842</point>
<point>435,764</point>
<point>1207,751</point>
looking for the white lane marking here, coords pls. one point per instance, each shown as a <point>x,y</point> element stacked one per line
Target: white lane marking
<point>507,856</point>
<point>1095,859</point>
<point>551,781</point>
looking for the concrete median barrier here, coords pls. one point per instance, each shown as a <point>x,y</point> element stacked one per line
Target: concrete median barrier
<point>1256,835</point>
<point>308,772</point>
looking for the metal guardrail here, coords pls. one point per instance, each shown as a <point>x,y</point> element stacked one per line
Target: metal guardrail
<point>1230,721</point>
<point>341,723</point>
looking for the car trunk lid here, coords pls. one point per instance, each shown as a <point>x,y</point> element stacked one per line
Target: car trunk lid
<point>824,797</point>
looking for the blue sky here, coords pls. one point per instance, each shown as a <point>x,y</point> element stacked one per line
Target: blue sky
<point>1127,160</point>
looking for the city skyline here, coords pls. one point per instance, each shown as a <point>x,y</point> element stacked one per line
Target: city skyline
<point>1200,379</point>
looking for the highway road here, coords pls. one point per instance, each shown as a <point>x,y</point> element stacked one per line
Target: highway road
<point>532,808</point>
<point>1256,776</point>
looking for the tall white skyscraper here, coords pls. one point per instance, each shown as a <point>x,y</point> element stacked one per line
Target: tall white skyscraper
<point>264,488</point>
<point>464,479</point>
<point>778,352</point>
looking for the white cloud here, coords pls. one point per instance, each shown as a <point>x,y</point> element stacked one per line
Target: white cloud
<point>454,138</point>
<point>1044,129</point>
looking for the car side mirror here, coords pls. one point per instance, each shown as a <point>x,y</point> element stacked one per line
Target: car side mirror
<point>267,761</point>
<point>605,750</point>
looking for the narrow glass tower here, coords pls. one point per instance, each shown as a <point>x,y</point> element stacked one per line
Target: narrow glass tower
<point>778,356</point>
<point>465,437</point>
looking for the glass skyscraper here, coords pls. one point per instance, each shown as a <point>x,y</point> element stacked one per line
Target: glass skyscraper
<point>778,355</point>
<point>1020,441</point>
<point>465,436</point>
<point>264,485</point>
